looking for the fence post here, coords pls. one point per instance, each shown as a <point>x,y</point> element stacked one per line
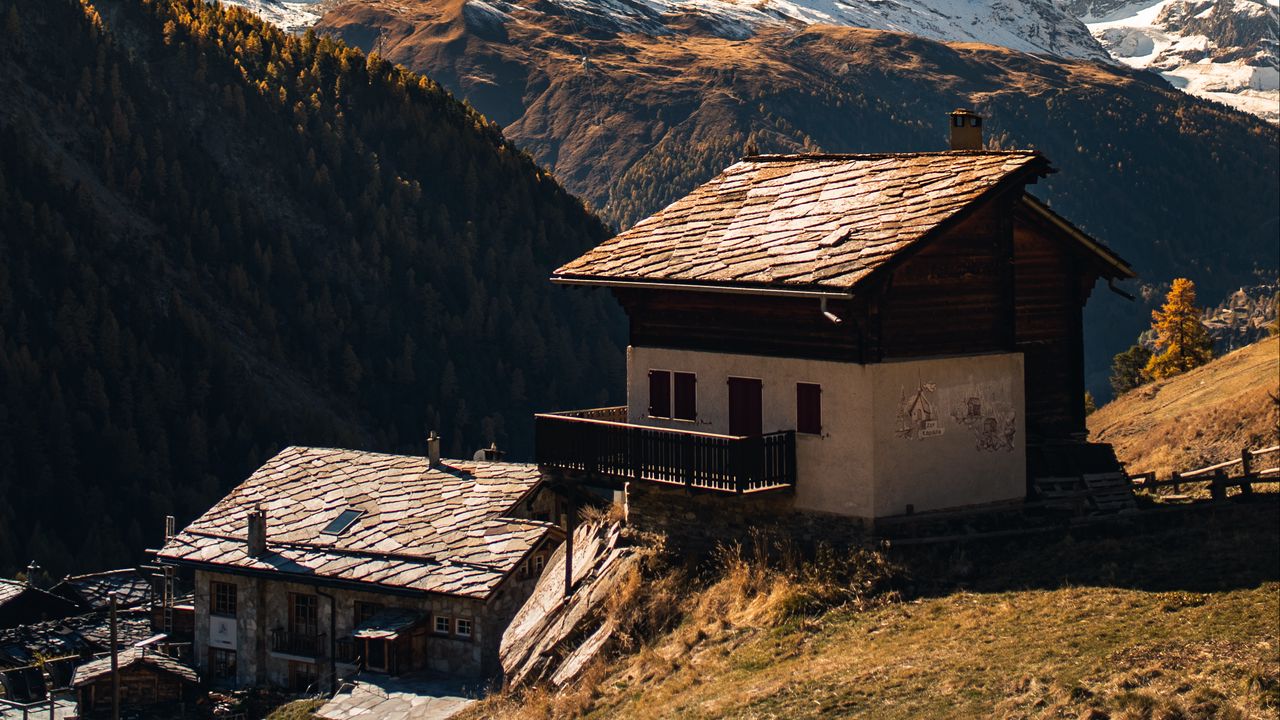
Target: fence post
<point>1218,488</point>
<point>1175,477</point>
<point>1246,465</point>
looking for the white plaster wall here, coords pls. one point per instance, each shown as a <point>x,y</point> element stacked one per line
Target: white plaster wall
<point>974,454</point>
<point>861,465</point>
<point>834,468</point>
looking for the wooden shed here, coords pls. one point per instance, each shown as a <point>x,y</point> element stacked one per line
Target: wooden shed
<point>147,680</point>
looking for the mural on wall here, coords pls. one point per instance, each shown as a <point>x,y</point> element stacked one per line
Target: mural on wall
<point>917,416</point>
<point>985,409</point>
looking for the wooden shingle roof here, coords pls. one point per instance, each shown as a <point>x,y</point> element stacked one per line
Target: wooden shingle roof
<point>441,529</point>
<point>820,222</point>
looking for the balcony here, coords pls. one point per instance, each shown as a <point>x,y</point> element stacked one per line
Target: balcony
<point>298,644</point>
<point>600,444</point>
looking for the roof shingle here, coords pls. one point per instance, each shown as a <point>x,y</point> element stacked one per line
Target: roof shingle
<point>803,221</point>
<point>440,529</point>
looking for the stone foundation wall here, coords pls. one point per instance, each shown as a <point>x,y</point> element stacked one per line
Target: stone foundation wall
<point>696,523</point>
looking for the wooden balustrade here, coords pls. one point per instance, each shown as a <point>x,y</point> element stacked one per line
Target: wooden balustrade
<point>616,451</point>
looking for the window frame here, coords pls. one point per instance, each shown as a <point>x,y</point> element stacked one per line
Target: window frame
<point>299,623</point>
<point>457,628</point>
<point>435,624</point>
<point>217,662</point>
<point>217,597</point>
<point>801,427</point>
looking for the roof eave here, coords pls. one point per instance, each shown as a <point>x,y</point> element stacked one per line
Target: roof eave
<point>1123,270</point>
<point>727,288</point>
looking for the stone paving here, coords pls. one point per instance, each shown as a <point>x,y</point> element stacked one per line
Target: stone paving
<point>411,697</point>
<point>62,709</point>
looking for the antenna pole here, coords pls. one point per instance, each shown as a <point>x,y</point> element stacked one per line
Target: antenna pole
<point>115,661</point>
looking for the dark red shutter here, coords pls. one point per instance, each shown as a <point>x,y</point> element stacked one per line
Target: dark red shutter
<point>809,408</point>
<point>686,396</point>
<point>745,407</point>
<point>659,393</point>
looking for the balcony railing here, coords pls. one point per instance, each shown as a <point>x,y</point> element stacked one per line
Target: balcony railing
<point>302,644</point>
<point>614,450</point>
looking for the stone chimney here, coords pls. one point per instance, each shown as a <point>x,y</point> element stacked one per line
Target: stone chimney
<point>966,130</point>
<point>433,449</point>
<point>257,532</point>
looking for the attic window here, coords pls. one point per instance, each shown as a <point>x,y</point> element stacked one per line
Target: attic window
<point>343,522</point>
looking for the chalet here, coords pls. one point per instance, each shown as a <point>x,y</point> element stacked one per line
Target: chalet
<point>328,561</point>
<point>149,682</point>
<point>865,336</point>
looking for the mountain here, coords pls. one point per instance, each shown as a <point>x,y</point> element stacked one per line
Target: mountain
<point>217,239</point>
<point>633,120</point>
<point>1223,50</point>
<point>1199,418</point>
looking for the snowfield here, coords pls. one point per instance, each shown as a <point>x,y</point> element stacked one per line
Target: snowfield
<point>1235,66</point>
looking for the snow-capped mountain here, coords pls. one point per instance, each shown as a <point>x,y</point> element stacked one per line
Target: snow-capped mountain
<point>1035,26</point>
<point>294,15</point>
<point>1225,50</point>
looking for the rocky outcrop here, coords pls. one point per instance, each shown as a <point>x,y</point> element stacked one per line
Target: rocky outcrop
<point>556,636</point>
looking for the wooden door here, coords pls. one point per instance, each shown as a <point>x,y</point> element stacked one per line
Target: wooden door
<point>745,406</point>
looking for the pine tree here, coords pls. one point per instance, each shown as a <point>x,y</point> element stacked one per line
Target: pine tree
<point>1181,338</point>
<point>1129,369</point>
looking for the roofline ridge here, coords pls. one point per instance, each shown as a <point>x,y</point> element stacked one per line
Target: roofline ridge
<point>783,157</point>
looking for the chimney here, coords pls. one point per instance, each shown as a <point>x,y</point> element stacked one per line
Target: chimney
<point>257,532</point>
<point>966,130</point>
<point>433,449</point>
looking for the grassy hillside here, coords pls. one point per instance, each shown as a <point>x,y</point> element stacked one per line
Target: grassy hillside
<point>1171,616</point>
<point>217,239</point>
<point>1200,418</point>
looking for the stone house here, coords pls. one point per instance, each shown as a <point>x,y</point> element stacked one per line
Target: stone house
<point>325,562</point>
<point>863,336</point>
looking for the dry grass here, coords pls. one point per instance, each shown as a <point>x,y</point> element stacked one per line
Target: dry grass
<point>1172,618</point>
<point>1202,417</point>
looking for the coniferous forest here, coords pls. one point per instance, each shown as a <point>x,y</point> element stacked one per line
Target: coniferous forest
<point>217,239</point>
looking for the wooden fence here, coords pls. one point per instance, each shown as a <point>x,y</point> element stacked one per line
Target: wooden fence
<point>1221,476</point>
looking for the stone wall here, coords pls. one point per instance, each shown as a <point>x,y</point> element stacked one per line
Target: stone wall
<point>697,522</point>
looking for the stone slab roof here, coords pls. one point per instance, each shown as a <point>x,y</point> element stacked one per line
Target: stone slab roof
<point>442,530</point>
<point>820,222</point>
<point>101,667</point>
<point>75,635</point>
<point>93,590</point>
<point>10,589</point>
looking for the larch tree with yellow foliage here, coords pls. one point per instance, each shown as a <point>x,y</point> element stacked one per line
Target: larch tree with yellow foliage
<point>1181,338</point>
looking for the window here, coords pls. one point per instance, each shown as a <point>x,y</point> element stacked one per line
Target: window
<point>442,624</point>
<point>365,611</point>
<point>222,599</point>
<point>303,614</point>
<point>537,563</point>
<point>302,676</point>
<point>222,663</point>
<point>659,393</point>
<point>462,627</point>
<point>809,408</point>
<point>686,396</point>
<point>746,415</point>
<point>343,522</point>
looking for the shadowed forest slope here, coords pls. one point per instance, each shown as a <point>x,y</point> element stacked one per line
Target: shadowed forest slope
<point>217,239</point>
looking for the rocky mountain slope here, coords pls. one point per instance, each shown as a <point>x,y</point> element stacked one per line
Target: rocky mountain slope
<point>1193,420</point>
<point>630,121</point>
<point>1224,50</point>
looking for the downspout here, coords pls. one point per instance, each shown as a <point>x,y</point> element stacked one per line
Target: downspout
<point>333,640</point>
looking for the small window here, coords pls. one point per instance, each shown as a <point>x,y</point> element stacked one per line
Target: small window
<point>365,611</point>
<point>686,396</point>
<point>343,522</point>
<point>462,628</point>
<point>659,393</point>
<point>223,599</point>
<point>222,663</point>
<point>538,563</point>
<point>975,122</point>
<point>809,408</point>
<point>304,614</point>
<point>442,624</point>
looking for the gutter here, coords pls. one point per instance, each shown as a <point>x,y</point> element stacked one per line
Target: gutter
<point>696,287</point>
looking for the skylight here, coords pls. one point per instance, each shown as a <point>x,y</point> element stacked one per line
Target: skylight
<point>343,522</point>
